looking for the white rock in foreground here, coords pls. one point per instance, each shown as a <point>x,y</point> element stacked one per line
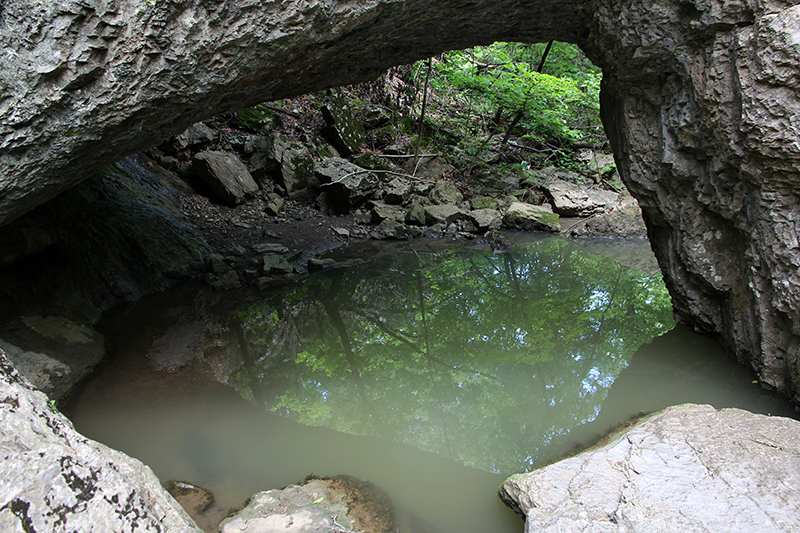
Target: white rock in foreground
<point>54,479</point>
<point>687,468</point>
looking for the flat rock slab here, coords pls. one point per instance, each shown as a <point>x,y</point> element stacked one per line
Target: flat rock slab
<point>54,479</point>
<point>52,352</point>
<point>687,468</point>
<point>572,200</point>
<point>622,219</point>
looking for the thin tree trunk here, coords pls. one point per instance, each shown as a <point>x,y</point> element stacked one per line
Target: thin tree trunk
<point>422,116</point>
<point>521,112</point>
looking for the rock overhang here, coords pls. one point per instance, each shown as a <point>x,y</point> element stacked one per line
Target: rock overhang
<point>699,100</point>
<point>91,83</point>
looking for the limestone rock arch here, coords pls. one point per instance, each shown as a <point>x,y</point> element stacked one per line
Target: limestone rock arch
<point>700,102</point>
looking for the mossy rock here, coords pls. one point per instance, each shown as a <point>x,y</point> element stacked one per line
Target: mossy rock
<point>484,202</point>
<point>371,161</point>
<point>256,119</point>
<point>531,218</point>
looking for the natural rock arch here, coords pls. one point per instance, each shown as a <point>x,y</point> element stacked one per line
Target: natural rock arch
<point>700,102</point>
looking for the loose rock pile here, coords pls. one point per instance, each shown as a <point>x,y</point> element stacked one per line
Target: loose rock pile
<point>388,193</point>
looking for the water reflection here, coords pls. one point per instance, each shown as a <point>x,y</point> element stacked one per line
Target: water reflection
<point>484,359</point>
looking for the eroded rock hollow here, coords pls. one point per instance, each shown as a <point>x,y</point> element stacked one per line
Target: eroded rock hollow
<point>700,102</point>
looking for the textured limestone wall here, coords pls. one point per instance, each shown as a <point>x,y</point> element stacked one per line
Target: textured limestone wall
<point>700,103</point>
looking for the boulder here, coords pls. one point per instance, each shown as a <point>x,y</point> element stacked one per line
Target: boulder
<point>397,191</point>
<point>339,503</point>
<point>296,169</point>
<point>416,215</point>
<point>199,503</point>
<point>687,468</point>
<point>571,200</point>
<point>485,219</point>
<point>266,153</point>
<point>274,204</point>
<point>276,264</point>
<point>443,214</point>
<point>216,264</point>
<point>547,175</point>
<point>394,229</point>
<point>53,352</point>
<point>429,167</point>
<point>227,177</point>
<point>227,281</point>
<point>55,479</point>
<point>484,202</point>
<point>372,161</point>
<point>530,217</point>
<point>342,129</point>
<point>444,192</point>
<point>346,184</point>
<point>381,212</point>
<point>195,135</point>
<point>622,219</point>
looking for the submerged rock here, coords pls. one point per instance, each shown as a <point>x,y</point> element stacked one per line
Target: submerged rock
<point>339,503</point>
<point>54,479</point>
<point>687,468</point>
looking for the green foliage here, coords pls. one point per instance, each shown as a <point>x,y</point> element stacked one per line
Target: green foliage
<point>559,105</point>
<point>253,118</point>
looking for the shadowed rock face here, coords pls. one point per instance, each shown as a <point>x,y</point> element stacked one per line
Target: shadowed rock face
<point>700,101</point>
<point>701,104</point>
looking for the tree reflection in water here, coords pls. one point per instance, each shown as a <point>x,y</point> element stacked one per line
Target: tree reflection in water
<point>481,358</point>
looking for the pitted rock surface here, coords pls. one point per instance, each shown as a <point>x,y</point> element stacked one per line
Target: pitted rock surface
<point>687,468</point>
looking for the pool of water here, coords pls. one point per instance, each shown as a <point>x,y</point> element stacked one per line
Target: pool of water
<point>432,370</point>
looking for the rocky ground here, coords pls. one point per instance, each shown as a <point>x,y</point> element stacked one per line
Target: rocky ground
<point>259,206</point>
<point>277,186</point>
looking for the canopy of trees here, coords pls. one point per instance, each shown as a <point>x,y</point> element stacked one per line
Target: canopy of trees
<point>560,103</point>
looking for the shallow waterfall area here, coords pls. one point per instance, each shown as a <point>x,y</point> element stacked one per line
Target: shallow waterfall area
<point>431,369</point>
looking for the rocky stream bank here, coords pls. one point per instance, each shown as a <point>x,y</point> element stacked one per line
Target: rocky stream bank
<point>262,210</point>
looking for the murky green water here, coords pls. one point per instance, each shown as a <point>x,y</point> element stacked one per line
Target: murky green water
<point>431,370</point>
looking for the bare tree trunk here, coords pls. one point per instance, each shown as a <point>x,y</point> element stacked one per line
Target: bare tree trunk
<point>521,112</point>
<point>422,116</point>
